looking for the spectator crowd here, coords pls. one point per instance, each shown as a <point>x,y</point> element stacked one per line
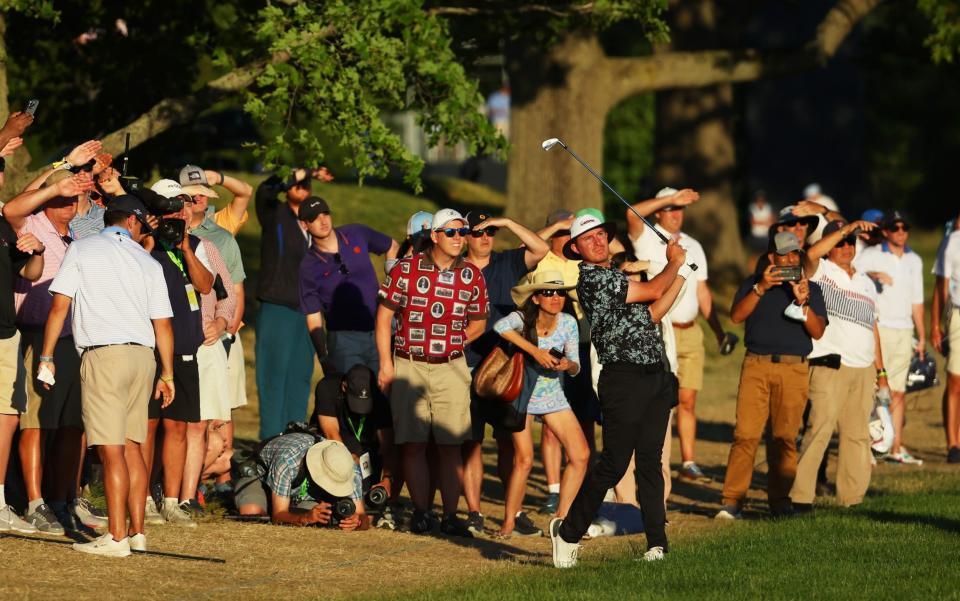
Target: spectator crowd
<point>121,307</point>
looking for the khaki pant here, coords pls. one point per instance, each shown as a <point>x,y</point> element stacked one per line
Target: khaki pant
<point>897,349</point>
<point>430,398</point>
<point>690,356</point>
<point>777,391</point>
<point>839,399</point>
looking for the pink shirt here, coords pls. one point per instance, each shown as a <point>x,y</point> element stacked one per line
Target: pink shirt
<point>210,307</point>
<point>32,300</point>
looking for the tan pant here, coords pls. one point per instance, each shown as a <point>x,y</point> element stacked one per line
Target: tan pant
<point>430,398</point>
<point>117,381</point>
<point>842,399</point>
<point>777,391</point>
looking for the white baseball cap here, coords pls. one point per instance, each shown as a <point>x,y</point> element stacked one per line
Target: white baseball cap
<point>583,224</point>
<point>444,216</point>
<point>167,188</point>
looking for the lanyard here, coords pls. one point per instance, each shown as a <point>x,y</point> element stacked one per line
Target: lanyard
<point>356,432</point>
<point>176,261</point>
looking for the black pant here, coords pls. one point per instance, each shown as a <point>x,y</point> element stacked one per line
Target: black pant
<point>636,406</point>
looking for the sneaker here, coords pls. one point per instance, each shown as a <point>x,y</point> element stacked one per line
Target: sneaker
<point>387,520</point>
<point>550,505</point>
<point>420,523</point>
<point>454,526</point>
<point>728,512</point>
<point>9,520</point>
<point>904,457</point>
<point>66,519</point>
<point>475,523</point>
<point>202,495</point>
<point>564,553</point>
<point>524,526</point>
<point>692,472</point>
<point>192,507</point>
<point>175,515</point>
<point>87,514</point>
<point>138,542</point>
<point>953,455</point>
<point>105,545</point>
<point>45,520</point>
<point>151,515</point>
<point>654,554</point>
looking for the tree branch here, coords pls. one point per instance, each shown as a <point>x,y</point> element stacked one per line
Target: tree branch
<point>471,11</point>
<point>631,76</point>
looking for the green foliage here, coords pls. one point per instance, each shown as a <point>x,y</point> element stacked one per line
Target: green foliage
<point>944,42</point>
<point>628,149</point>
<point>348,63</point>
<point>41,9</point>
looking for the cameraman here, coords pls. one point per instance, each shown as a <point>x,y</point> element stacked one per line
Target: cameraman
<point>347,408</point>
<point>774,376</point>
<point>298,470</point>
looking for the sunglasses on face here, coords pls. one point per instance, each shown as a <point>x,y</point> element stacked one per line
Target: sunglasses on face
<point>549,293</point>
<point>848,241</point>
<point>898,227</point>
<point>343,267</point>
<point>66,240</point>
<point>451,232</point>
<point>487,231</point>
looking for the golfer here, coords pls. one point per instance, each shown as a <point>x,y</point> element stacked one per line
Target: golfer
<point>636,389</point>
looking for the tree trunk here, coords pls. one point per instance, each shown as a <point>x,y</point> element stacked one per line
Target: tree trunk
<point>695,147</point>
<point>565,95</point>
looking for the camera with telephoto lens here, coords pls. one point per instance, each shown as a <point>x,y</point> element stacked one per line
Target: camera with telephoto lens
<point>377,497</point>
<point>169,231</point>
<point>341,510</point>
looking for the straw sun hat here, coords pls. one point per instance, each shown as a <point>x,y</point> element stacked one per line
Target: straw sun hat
<point>542,280</point>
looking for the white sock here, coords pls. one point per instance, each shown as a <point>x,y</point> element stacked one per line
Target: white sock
<point>34,504</point>
<point>518,514</point>
<point>553,489</point>
<point>687,464</point>
<point>170,502</point>
<point>3,499</point>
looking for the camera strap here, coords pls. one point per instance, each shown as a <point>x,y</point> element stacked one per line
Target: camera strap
<point>191,292</point>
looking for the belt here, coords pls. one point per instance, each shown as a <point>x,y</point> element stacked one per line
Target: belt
<point>649,368</point>
<point>96,346</point>
<point>684,325</point>
<point>427,358</point>
<point>779,358</point>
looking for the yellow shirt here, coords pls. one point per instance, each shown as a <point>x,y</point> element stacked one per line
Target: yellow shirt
<point>571,273</point>
<point>225,219</point>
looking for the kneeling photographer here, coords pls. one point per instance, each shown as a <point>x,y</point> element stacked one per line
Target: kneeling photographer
<point>349,409</point>
<point>304,480</point>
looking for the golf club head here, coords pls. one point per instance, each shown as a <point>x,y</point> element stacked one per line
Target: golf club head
<point>550,143</point>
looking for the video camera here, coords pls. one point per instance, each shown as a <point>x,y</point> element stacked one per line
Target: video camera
<point>168,231</point>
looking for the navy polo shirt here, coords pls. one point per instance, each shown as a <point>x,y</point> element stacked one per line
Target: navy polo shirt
<point>768,331</point>
<point>501,274</point>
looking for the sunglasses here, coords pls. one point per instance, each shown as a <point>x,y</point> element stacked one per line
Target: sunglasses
<point>343,267</point>
<point>490,232</point>
<point>66,240</point>
<point>451,232</point>
<point>848,241</point>
<point>549,293</point>
<point>898,227</point>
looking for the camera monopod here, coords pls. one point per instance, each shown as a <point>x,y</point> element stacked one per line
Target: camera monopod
<point>549,144</point>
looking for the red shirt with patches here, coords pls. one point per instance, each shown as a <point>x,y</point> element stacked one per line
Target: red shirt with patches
<point>432,305</point>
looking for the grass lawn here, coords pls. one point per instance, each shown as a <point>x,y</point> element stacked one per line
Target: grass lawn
<point>900,544</point>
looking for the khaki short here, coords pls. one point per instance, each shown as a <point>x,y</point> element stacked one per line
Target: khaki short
<point>897,349</point>
<point>58,407</point>
<point>236,374</point>
<point>427,397</point>
<point>953,361</point>
<point>690,356</point>
<point>12,399</point>
<point>214,382</point>
<point>117,382</point>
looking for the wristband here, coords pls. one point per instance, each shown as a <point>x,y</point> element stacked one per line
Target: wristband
<point>881,373</point>
<point>221,178</point>
<point>756,290</point>
<point>63,164</point>
<point>685,272</point>
<point>166,379</point>
<point>45,359</point>
<point>40,252</point>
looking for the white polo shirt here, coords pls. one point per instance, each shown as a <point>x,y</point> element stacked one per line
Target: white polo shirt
<point>649,247</point>
<point>948,265</point>
<point>852,310</point>
<point>117,289</point>
<point>895,301</point>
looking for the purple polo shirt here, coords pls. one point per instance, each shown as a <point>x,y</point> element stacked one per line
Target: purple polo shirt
<point>348,300</point>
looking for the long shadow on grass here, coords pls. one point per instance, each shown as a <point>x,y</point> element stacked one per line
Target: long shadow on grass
<point>941,523</point>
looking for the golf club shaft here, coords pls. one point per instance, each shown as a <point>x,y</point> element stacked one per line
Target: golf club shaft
<point>666,240</point>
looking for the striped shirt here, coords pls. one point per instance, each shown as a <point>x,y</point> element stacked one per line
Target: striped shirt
<point>852,311</point>
<point>32,299</point>
<point>89,223</point>
<point>117,289</point>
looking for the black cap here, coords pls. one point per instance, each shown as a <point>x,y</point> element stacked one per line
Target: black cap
<point>475,218</point>
<point>311,208</point>
<point>131,205</point>
<point>359,396</point>
<point>833,226</point>
<point>895,218</point>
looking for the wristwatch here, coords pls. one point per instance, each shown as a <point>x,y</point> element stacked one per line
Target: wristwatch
<point>756,290</point>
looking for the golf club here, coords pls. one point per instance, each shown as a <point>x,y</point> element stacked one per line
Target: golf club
<point>550,143</point>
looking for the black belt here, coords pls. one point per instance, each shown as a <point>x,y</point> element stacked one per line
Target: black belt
<point>776,358</point>
<point>96,346</point>
<point>643,368</point>
<point>831,361</point>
